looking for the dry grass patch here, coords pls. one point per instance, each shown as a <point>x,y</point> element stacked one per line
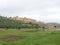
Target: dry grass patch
<point>12,38</point>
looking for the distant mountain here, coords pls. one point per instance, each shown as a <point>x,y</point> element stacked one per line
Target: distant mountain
<point>55,24</point>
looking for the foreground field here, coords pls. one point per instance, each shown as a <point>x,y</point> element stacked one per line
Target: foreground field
<point>18,37</point>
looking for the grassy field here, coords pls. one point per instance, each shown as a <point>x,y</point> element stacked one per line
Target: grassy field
<point>19,37</point>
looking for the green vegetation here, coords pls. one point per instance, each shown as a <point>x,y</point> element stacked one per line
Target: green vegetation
<point>14,24</point>
<point>29,38</point>
<point>13,32</point>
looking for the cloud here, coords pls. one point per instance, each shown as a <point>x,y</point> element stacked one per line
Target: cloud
<point>42,10</point>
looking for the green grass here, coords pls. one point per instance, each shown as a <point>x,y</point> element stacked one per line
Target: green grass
<point>32,38</point>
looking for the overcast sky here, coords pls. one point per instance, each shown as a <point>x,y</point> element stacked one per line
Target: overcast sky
<point>42,10</point>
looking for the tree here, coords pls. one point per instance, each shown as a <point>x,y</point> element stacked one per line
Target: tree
<point>43,28</point>
<point>55,27</point>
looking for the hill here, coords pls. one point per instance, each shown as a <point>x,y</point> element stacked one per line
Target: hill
<point>33,21</point>
<point>6,22</point>
<point>18,22</point>
<point>28,20</point>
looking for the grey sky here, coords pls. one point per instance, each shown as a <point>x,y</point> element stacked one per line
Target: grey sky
<point>42,10</point>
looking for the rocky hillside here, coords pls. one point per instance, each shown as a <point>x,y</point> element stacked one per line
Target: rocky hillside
<point>28,20</point>
<point>18,22</point>
<point>6,22</point>
<point>33,21</point>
